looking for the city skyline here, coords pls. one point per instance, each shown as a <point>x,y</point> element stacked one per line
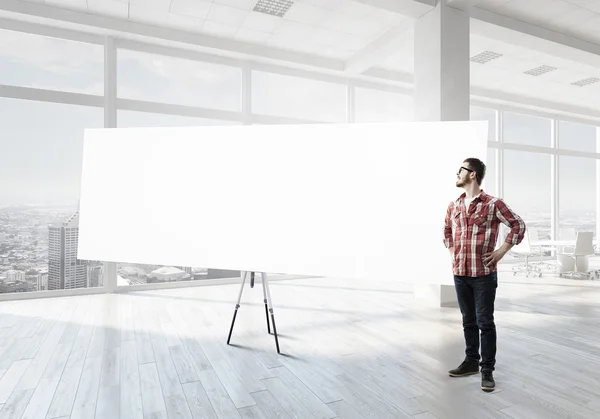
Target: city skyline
<point>38,251</point>
<point>27,251</point>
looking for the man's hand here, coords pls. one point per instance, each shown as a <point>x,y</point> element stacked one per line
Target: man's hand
<point>490,259</point>
<point>451,249</point>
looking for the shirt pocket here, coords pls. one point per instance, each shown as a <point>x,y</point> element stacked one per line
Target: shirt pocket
<point>456,218</point>
<point>482,217</point>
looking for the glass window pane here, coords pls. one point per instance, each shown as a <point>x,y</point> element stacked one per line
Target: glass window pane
<point>489,182</point>
<point>158,78</point>
<point>134,273</point>
<point>527,130</point>
<point>577,193</point>
<point>42,62</point>
<point>41,168</point>
<point>379,106</point>
<point>580,137</point>
<point>484,114</point>
<point>527,186</point>
<point>294,97</point>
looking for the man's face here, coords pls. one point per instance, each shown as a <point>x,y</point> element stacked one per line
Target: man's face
<point>463,176</point>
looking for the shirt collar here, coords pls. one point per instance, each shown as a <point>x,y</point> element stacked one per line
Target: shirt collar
<point>481,195</point>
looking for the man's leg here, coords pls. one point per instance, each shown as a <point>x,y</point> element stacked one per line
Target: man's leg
<point>466,302</point>
<point>485,297</point>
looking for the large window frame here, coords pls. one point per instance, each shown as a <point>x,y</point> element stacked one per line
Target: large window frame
<point>111,104</point>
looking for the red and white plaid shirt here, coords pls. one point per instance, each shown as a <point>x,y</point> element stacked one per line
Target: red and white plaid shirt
<point>475,233</point>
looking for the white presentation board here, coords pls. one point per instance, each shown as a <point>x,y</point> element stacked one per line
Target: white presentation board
<point>346,201</point>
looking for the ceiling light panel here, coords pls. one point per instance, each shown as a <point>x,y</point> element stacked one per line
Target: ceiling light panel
<point>586,82</point>
<point>485,57</point>
<point>273,7</point>
<point>538,71</point>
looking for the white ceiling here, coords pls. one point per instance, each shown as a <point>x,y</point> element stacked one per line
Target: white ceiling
<point>343,29</point>
<point>578,18</point>
<point>506,73</point>
<point>330,28</point>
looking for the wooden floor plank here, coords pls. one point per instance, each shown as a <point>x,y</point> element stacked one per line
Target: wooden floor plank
<point>198,401</point>
<point>131,406</point>
<point>152,393</point>
<point>16,404</point>
<point>87,392</point>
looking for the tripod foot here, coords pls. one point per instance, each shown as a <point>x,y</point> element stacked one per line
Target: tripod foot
<point>275,331</point>
<point>232,323</point>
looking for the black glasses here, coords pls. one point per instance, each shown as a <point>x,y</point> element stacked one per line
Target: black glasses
<point>462,167</point>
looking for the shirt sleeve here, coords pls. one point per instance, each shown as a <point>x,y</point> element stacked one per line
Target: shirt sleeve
<point>513,221</point>
<point>448,242</point>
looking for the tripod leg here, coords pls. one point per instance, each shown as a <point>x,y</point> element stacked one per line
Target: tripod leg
<point>270,303</point>
<point>237,305</point>
<point>266,306</point>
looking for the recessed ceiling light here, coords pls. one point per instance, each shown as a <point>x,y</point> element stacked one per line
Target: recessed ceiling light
<point>585,82</point>
<point>273,7</point>
<point>485,57</point>
<point>538,71</point>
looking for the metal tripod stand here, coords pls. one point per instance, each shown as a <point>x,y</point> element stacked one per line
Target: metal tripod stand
<point>267,300</point>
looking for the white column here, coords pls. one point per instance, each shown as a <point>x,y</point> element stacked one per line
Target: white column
<point>598,185</point>
<point>350,103</point>
<point>554,186</point>
<point>110,121</point>
<point>442,93</point>
<point>110,83</point>
<point>500,154</point>
<point>246,94</point>
<point>442,65</point>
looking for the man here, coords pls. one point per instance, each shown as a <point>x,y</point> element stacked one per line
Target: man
<point>471,233</point>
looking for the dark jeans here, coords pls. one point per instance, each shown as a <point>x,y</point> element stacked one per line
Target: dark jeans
<point>476,297</point>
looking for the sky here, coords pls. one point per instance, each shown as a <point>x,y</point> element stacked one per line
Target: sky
<point>41,143</point>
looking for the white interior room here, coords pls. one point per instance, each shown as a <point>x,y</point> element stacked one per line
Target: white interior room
<point>99,339</point>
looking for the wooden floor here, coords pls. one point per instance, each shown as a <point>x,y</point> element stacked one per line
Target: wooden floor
<point>351,350</point>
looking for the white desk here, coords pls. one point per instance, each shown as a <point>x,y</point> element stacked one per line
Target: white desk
<point>554,243</point>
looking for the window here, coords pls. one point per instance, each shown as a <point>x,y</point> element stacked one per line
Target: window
<point>136,274</point>
<point>577,193</point>
<point>157,78</point>
<point>527,130</point>
<point>41,168</point>
<point>489,115</point>
<point>489,182</point>
<point>42,62</point>
<point>580,137</point>
<point>294,97</point>
<point>527,188</point>
<point>379,106</point>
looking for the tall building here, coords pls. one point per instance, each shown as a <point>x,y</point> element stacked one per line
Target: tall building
<point>15,276</point>
<point>65,271</point>
<point>95,276</point>
<point>42,281</point>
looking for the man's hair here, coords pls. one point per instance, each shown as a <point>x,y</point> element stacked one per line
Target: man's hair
<point>478,166</point>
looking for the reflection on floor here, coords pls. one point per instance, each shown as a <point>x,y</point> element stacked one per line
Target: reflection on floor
<point>351,349</point>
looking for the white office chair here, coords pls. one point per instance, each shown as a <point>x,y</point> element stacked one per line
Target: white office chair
<point>584,248</point>
<point>528,268</point>
<point>567,233</point>
<point>533,235</point>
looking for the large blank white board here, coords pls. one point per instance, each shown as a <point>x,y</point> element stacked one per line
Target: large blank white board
<point>350,201</point>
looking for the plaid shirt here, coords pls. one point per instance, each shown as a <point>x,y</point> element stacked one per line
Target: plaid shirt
<point>475,233</point>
